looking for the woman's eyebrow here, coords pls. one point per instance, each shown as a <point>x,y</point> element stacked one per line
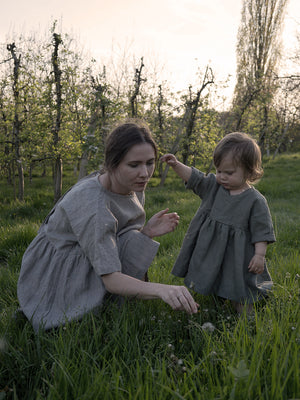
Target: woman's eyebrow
<point>140,161</point>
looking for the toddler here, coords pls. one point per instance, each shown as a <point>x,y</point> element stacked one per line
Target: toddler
<point>223,252</point>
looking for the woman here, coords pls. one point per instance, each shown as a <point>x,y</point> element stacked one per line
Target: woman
<point>94,240</point>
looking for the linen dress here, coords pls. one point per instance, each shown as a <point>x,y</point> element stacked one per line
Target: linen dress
<point>89,232</point>
<point>219,243</point>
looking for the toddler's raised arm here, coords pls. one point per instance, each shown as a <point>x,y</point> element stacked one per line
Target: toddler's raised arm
<point>182,170</point>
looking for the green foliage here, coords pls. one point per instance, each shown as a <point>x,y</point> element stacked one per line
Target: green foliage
<point>264,105</point>
<point>144,350</point>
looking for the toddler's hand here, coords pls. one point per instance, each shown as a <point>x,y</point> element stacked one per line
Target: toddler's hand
<point>170,159</point>
<point>256,265</point>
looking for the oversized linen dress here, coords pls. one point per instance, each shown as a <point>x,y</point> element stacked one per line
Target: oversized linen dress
<point>89,232</point>
<point>219,243</point>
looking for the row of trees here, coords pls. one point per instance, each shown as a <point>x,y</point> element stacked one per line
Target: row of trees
<point>57,106</point>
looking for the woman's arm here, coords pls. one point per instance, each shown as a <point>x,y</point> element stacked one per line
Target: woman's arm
<point>182,170</point>
<point>178,297</point>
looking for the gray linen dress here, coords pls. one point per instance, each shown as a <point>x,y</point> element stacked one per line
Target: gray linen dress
<point>219,243</point>
<point>89,232</point>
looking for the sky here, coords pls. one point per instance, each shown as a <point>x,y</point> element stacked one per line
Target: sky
<point>180,36</point>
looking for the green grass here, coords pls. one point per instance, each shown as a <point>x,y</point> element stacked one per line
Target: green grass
<point>145,350</point>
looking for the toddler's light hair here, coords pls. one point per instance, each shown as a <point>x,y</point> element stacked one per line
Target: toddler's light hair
<point>245,153</point>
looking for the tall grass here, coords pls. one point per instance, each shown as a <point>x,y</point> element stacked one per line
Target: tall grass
<point>145,350</point>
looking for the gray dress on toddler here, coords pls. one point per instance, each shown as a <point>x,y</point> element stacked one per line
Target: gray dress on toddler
<point>219,243</point>
<point>90,232</point>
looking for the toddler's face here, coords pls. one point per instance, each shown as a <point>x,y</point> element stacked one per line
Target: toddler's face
<point>232,177</point>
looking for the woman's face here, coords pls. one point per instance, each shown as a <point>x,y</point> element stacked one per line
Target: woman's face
<point>134,171</point>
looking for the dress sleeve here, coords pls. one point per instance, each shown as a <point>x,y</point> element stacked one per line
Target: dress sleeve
<point>261,226</point>
<point>200,183</point>
<point>95,229</point>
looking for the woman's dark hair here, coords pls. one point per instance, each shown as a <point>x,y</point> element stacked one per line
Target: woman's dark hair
<point>122,139</point>
<point>245,152</point>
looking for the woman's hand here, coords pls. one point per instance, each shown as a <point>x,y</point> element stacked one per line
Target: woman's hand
<point>161,223</point>
<point>178,297</point>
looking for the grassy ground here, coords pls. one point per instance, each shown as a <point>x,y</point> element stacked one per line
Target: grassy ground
<point>145,350</point>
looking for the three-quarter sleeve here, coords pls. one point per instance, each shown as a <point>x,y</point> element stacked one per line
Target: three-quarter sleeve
<point>260,221</point>
<point>200,183</point>
<point>95,229</point>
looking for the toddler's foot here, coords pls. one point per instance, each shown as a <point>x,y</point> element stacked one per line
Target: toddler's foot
<point>239,308</point>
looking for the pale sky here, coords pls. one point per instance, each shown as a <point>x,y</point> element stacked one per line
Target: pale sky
<point>183,35</point>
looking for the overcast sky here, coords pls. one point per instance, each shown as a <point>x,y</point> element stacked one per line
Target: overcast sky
<point>182,34</point>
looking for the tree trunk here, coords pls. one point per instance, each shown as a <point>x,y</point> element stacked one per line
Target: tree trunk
<point>57,178</point>
<point>57,170</point>
<point>83,165</point>
<point>137,85</point>
<point>16,122</point>
<point>193,106</point>
<point>21,181</point>
<point>164,175</point>
<point>281,140</point>
<point>262,139</point>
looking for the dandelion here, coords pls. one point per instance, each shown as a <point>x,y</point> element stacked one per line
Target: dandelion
<point>192,285</point>
<point>170,346</point>
<point>208,326</point>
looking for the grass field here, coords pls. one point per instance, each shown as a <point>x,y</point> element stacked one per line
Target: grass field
<point>145,350</point>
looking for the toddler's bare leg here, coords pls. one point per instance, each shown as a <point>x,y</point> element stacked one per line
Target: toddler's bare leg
<point>239,307</point>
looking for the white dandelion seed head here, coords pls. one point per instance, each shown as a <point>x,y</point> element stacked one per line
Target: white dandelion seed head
<point>208,326</point>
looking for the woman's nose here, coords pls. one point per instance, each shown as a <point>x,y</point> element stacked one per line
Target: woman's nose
<point>143,170</point>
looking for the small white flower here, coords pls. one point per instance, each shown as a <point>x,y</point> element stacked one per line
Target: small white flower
<point>287,275</point>
<point>208,326</point>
